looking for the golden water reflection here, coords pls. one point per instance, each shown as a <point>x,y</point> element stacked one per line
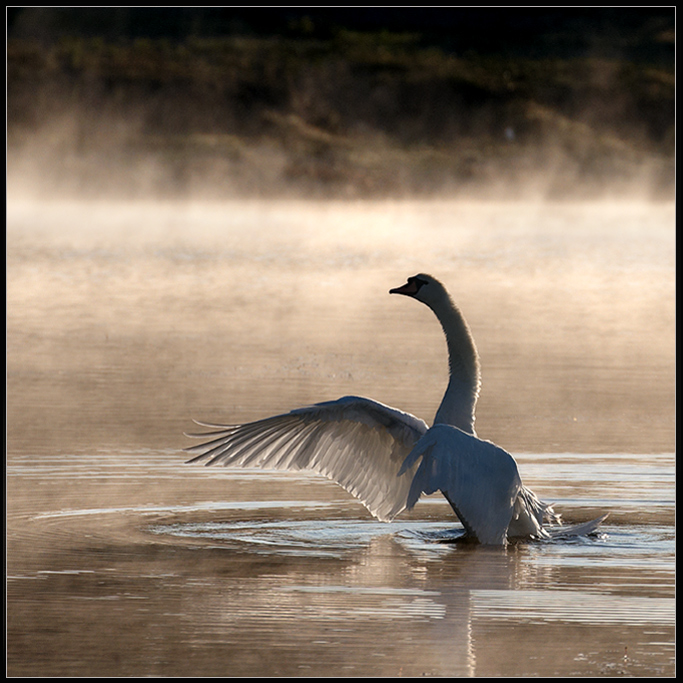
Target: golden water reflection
<point>125,321</point>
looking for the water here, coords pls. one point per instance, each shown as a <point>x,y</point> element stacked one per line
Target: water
<point>124,321</point>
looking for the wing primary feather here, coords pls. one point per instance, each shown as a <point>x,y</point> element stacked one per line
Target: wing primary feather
<point>216,438</point>
<point>236,438</point>
<point>247,447</point>
<point>293,450</point>
<point>203,435</point>
<point>214,425</point>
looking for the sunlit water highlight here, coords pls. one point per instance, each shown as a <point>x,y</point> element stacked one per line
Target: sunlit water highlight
<point>124,322</point>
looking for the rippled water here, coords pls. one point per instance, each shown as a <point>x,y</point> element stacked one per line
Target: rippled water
<point>124,322</point>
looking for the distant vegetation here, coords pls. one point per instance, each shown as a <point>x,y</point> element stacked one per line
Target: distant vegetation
<point>337,113</point>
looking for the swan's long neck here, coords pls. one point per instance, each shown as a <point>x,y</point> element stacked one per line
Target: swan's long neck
<point>459,401</point>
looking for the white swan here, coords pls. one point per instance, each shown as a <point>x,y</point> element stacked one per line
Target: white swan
<point>388,458</point>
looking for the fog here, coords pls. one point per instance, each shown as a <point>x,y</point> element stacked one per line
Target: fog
<point>209,229</point>
<point>572,307</point>
<point>78,157</point>
<point>125,320</point>
<point>321,110</point>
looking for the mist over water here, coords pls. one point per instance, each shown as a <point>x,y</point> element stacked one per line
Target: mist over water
<point>571,306</point>
<point>126,319</point>
<point>216,103</point>
<point>207,208</point>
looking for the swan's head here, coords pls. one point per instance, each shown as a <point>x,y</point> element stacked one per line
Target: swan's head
<point>424,288</point>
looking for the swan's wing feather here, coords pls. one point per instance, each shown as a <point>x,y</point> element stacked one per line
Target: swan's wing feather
<point>478,478</point>
<point>357,442</point>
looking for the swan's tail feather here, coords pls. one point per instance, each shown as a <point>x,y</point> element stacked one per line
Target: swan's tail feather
<point>542,511</point>
<point>550,516</point>
<point>573,530</point>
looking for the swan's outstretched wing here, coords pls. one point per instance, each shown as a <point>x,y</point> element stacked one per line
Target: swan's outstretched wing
<point>359,443</point>
<point>480,480</point>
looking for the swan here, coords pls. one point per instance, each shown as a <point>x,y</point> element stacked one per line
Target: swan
<point>388,458</point>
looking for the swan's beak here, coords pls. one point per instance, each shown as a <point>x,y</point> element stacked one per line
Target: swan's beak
<point>409,289</point>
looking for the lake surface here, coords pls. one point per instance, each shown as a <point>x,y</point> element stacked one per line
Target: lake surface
<point>127,320</point>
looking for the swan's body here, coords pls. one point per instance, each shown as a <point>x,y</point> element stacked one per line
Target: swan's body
<point>387,458</point>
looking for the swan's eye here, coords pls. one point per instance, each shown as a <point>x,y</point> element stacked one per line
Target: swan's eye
<point>418,281</point>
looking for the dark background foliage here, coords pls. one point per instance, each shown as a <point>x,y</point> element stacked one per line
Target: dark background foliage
<point>351,102</point>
